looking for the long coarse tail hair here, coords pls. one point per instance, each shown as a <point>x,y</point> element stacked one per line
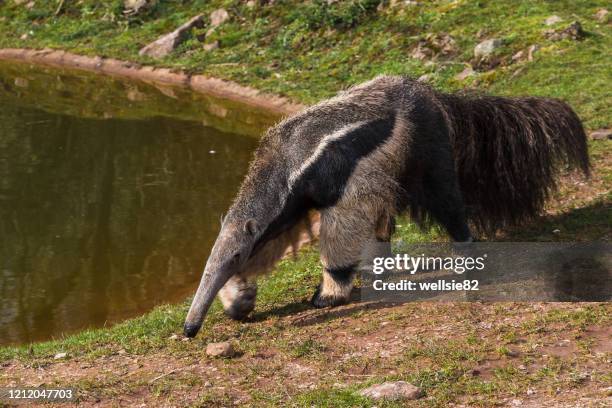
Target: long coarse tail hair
<point>509,152</point>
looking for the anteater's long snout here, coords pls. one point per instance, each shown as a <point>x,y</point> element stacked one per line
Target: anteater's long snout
<point>212,281</point>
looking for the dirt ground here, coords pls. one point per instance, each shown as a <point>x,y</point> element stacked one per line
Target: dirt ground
<point>510,354</point>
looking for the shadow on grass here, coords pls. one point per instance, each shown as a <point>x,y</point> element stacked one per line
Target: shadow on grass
<point>590,223</point>
<point>309,315</point>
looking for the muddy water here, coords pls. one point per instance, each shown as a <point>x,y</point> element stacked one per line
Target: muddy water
<point>110,196</point>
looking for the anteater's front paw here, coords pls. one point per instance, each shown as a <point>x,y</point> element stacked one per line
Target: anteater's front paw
<point>320,301</point>
<point>242,303</point>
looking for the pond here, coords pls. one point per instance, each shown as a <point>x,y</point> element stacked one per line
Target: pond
<point>110,195</point>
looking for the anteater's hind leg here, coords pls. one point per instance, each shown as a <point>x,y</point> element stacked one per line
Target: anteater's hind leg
<point>345,234</point>
<point>444,202</point>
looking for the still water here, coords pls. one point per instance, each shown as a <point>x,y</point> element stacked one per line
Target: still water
<point>110,196</point>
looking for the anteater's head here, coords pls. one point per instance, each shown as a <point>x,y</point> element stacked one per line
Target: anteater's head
<point>231,251</point>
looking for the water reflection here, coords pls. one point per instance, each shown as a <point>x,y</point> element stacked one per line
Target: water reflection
<point>103,219</point>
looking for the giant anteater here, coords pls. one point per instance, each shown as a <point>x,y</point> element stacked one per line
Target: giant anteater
<point>375,150</point>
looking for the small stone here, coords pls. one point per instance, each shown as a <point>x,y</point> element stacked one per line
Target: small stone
<point>573,31</point>
<point>556,231</point>
<point>251,4</point>
<point>24,36</point>
<point>22,82</point>
<point>518,56</point>
<point>422,78</point>
<point>552,20</point>
<point>468,71</point>
<point>487,47</point>
<point>530,391</point>
<point>211,46</point>
<point>173,337</point>
<point>30,5</point>
<point>59,356</point>
<point>531,50</point>
<point>224,349</point>
<point>392,391</point>
<point>420,52</point>
<point>212,151</point>
<point>516,402</point>
<point>602,15</point>
<point>131,7</point>
<point>122,352</point>
<point>165,44</point>
<point>601,134</point>
<point>522,367</point>
<point>218,17</point>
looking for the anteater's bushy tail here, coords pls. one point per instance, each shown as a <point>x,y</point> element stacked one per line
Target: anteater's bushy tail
<point>508,152</point>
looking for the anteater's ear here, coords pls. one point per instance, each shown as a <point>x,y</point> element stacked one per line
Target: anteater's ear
<point>251,227</point>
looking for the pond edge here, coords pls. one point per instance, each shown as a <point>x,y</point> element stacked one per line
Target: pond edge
<point>198,83</point>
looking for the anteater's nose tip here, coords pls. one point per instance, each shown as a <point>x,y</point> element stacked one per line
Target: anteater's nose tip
<point>190,330</point>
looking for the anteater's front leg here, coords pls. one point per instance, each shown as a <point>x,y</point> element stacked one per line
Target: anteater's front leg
<point>345,234</point>
<point>238,297</point>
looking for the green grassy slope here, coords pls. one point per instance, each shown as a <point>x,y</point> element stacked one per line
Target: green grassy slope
<point>309,50</point>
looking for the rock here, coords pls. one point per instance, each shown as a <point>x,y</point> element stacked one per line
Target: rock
<point>131,7</point>
<point>601,134</point>
<point>173,337</point>
<point>251,4</point>
<point>434,45</point>
<point>392,391</point>
<point>30,5</point>
<point>425,78</point>
<point>420,52</point>
<point>395,3</point>
<point>552,20</point>
<point>601,15</point>
<point>218,17</point>
<point>21,82</point>
<point>211,46</point>
<point>530,391</point>
<point>487,47</point>
<point>59,356</point>
<point>224,349</point>
<point>574,32</point>
<point>518,56</point>
<point>533,48</point>
<point>481,33</point>
<point>468,71</point>
<point>168,43</point>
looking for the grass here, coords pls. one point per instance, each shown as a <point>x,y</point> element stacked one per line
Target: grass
<point>307,51</point>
